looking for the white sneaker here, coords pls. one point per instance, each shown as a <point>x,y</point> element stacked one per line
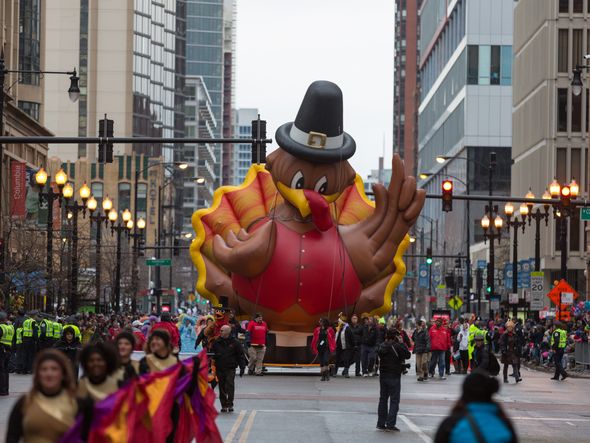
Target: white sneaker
<point>443,378</point>
<point>365,375</point>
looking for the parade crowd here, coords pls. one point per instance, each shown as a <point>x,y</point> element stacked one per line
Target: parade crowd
<point>84,358</point>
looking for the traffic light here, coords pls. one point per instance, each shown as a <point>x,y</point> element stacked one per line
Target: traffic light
<point>258,148</point>
<point>566,195</point>
<point>176,247</point>
<point>447,195</point>
<point>488,290</point>
<point>179,291</point>
<point>105,149</point>
<point>428,256</point>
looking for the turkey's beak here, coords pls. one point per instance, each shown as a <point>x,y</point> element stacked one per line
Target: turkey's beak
<point>298,199</point>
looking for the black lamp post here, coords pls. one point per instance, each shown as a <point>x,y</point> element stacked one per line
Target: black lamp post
<point>46,199</point>
<point>125,225</point>
<point>99,218</point>
<point>515,224</point>
<point>72,209</point>
<point>491,212</point>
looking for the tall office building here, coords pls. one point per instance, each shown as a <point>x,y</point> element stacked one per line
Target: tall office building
<point>200,123</point>
<point>125,53</point>
<point>229,75</point>
<point>406,83</point>
<point>243,151</point>
<point>465,107</point>
<point>550,135</point>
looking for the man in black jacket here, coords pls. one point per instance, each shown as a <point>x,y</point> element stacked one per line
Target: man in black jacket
<point>344,345</point>
<point>357,334</point>
<point>421,339</point>
<point>228,355</point>
<point>392,353</point>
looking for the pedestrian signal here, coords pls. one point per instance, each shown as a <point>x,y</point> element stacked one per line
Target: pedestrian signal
<point>447,195</point>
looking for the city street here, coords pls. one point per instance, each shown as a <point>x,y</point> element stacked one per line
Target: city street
<point>300,408</point>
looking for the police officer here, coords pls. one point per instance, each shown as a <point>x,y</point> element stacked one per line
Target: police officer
<point>558,343</point>
<point>6,341</point>
<point>30,336</point>
<point>18,349</point>
<point>45,334</point>
<point>57,330</point>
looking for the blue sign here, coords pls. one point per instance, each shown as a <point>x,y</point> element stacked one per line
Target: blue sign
<point>524,272</point>
<point>482,264</point>
<point>436,278</point>
<point>423,276</point>
<point>508,275</point>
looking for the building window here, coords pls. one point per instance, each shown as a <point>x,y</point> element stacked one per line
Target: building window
<point>29,55</point>
<point>484,64</point>
<point>577,113</point>
<point>30,108</point>
<point>495,66</point>
<point>562,110</point>
<point>472,64</point>
<point>506,66</point>
<point>562,50</point>
<point>142,198</point>
<point>577,50</point>
<point>578,6</point>
<point>564,6</point>
<point>97,189</point>
<point>124,200</point>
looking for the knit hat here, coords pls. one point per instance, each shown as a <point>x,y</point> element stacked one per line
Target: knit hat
<point>479,387</point>
<point>126,335</point>
<point>161,333</point>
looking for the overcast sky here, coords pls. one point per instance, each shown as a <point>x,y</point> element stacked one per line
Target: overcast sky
<point>284,45</point>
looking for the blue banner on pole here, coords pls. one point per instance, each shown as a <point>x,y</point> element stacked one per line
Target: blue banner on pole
<point>423,276</point>
<point>508,275</point>
<point>482,264</point>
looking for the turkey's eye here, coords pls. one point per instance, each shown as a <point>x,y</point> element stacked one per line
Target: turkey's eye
<point>322,185</point>
<point>297,180</point>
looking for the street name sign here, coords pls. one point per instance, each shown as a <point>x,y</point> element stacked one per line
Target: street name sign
<point>158,262</point>
<point>585,214</point>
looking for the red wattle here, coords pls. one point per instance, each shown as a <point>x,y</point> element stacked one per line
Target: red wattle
<point>320,210</point>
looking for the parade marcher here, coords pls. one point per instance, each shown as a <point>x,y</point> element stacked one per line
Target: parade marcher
<point>30,335</point>
<point>6,343</point>
<point>368,347</point>
<point>558,343</point>
<point>357,333</point>
<point>483,358</point>
<point>159,352</point>
<point>323,344</point>
<point>463,341</point>
<point>70,346</point>
<point>128,369</point>
<point>257,331</point>
<point>476,418</point>
<point>138,335</point>
<point>188,333</point>
<point>421,339</point>
<point>440,342</point>
<point>392,354</point>
<point>228,355</point>
<point>99,362</point>
<point>344,345</point>
<point>49,409</point>
<point>202,339</point>
<point>167,324</point>
<point>510,349</point>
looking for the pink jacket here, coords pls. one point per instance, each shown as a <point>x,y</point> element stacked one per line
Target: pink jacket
<point>316,336</point>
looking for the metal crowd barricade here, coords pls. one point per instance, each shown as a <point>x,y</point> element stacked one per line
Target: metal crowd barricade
<point>582,354</point>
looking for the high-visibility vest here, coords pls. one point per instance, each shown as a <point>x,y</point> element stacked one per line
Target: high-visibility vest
<point>562,338</point>
<point>48,328</point>
<point>19,336</point>
<point>28,327</point>
<point>57,328</point>
<point>7,335</point>
<point>76,331</point>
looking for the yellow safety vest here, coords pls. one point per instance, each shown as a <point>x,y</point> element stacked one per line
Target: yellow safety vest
<point>28,327</point>
<point>19,336</point>
<point>76,331</point>
<point>48,328</point>
<point>7,335</point>
<point>57,328</point>
<point>562,338</point>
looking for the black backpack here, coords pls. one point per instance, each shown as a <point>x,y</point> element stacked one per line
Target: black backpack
<point>494,366</point>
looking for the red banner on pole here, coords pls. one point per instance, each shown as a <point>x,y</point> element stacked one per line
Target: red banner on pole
<point>18,190</point>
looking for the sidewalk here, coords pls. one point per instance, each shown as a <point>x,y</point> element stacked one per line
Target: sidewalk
<point>573,373</point>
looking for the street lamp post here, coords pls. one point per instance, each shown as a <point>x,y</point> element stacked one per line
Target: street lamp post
<point>99,219</point>
<point>515,224</point>
<point>124,225</point>
<point>48,197</point>
<point>488,232</point>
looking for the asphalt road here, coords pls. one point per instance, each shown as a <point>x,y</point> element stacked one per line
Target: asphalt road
<point>301,408</point>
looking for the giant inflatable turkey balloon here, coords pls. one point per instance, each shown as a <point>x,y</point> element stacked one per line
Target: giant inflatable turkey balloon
<point>299,240</point>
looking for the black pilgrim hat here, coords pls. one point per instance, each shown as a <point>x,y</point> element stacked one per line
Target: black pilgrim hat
<point>316,134</point>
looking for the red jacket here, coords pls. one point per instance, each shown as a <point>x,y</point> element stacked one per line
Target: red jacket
<point>171,329</point>
<point>316,336</point>
<point>440,338</point>
<point>257,333</point>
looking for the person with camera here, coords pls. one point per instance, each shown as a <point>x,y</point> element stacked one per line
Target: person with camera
<point>392,355</point>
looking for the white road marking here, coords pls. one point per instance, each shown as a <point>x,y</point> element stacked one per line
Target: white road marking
<point>570,423</point>
<point>235,427</point>
<point>415,429</point>
<point>246,431</point>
